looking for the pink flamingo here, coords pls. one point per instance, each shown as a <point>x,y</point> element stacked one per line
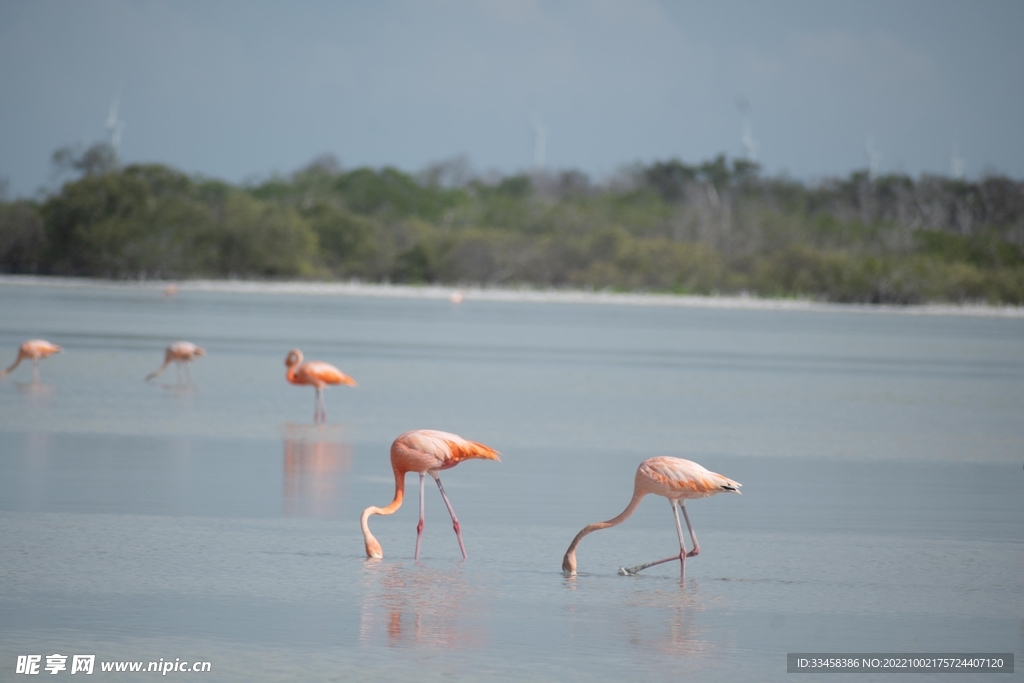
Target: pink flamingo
<point>317,373</point>
<point>675,479</point>
<point>182,353</point>
<point>425,451</point>
<point>33,349</point>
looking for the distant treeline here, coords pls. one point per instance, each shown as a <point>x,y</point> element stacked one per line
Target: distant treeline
<point>719,226</point>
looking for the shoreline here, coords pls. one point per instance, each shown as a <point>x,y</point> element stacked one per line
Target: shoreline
<point>517,295</point>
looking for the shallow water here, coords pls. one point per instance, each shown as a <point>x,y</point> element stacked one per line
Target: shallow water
<point>881,457</point>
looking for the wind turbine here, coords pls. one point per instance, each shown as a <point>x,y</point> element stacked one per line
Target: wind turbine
<point>114,124</point>
<point>874,157</point>
<point>956,164</point>
<point>747,139</point>
<point>540,141</point>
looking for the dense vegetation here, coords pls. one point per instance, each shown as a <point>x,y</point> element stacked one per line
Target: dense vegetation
<point>714,227</point>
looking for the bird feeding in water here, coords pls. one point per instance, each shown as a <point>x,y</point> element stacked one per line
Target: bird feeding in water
<point>180,353</point>
<point>319,375</point>
<point>675,479</point>
<point>33,349</point>
<point>424,451</point>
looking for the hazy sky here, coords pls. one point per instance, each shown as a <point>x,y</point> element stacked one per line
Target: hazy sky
<point>241,89</point>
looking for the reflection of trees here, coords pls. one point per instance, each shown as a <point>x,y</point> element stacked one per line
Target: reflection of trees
<point>414,605</point>
<point>314,459</point>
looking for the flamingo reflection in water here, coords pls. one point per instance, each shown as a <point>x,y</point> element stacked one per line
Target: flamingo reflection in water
<point>669,622</point>
<point>33,349</point>
<point>675,479</point>
<point>317,374</point>
<point>433,608</point>
<point>424,451</point>
<point>181,354</point>
<point>316,460</point>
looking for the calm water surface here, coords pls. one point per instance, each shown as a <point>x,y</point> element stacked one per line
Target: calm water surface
<point>881,457</point>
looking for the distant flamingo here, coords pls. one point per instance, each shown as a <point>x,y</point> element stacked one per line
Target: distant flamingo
<point>317,373</point>
<point>34,349</point>
<point>182,353</point>
<point>425,451</point>
<point>675,479</point>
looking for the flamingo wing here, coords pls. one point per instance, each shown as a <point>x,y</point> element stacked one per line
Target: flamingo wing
<point>448,449</point>
<point>319,373</point>
<point>183,350</point>
<point>38,348</point>
<point>685,478</point>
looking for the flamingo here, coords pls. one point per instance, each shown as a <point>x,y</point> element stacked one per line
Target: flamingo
<point>182,353</point>
<point>34,349</point>
<point>675,479</point>
<point>317,373</point>
<point>425,451</point>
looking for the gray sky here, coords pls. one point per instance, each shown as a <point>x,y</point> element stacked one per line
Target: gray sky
<point>241,89</point>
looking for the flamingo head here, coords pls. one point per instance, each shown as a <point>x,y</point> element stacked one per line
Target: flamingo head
<point>569,563</point>
<point>199,351</point>
<point>294,357</point>
<point>373,549</point>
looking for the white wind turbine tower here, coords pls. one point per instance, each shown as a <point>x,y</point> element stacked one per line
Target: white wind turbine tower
<point>540,141</point>
<point>874,157</point>
<point>115,125</point>
<point>956,164</point>
<point>749,142</point>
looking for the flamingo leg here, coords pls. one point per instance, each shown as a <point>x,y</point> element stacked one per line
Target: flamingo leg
<point>455,520</point>
<point>682,543</point>
<point>177,367</point>
<point>316,405</point>
<point>323,406</point>
<point>35,370</point>
<point>188,373</point>
<point>422,523</point>
<point>630,571</point>
<point>696,546</point>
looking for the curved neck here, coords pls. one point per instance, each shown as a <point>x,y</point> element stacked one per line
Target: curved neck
<point>13,365</point>
<point>614,521</point>
<point>290,374</point>
<point>373,548</point>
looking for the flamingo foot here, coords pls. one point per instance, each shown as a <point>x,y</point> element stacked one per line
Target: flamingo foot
<point>633,571</point>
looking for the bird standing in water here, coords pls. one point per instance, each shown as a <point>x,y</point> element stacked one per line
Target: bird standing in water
<point>181,353</point>
<point>33,349</point>
<point>318,374</point>
<point>675,479</point>
<point>424,451</point>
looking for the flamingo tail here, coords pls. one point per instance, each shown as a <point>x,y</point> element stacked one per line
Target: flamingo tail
<point>467,450</point>
<point>726,484</point>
